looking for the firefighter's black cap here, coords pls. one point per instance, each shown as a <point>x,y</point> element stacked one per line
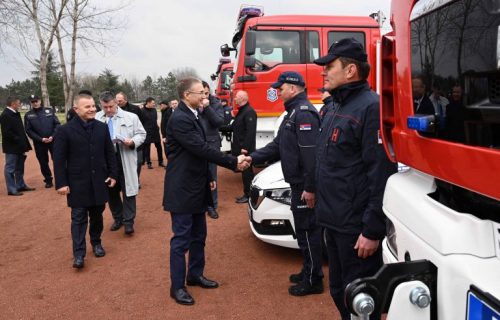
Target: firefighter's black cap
<point>291,77</point>
<point>347,48</point>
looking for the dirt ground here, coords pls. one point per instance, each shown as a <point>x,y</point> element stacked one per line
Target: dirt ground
<point>132,280</point>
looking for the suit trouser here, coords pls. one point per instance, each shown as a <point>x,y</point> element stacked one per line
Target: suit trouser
<point>79,219</point>
<point>147,152</point>
<point>213,171</point>
<point>14,171</point>
<point>139,162</point>
<point>247,177</point>
<point>122,208</point>
<point>42,151</point>
<point>345,266</point>
<point>308,234</point>
<point>190,232</point>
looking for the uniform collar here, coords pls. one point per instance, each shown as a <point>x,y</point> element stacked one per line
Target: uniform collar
<point>344,92</point>
<point>295,101</point>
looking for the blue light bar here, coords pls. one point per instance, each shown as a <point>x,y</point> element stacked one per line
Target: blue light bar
<point>251,11</point>
<point>422,122</point>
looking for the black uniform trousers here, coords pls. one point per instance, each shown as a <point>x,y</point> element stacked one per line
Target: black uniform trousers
<point>147,152</point>
<point>79,219</point>
<point>308,234</point>
<point>247,177</point>
<point>345,266</point>
<point>42,154</point>
<point>122,208</point>
<point>189,234</point>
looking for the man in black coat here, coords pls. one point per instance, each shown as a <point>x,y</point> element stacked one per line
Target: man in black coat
<point>244,134</point>
<point>212,118</point>
<point>85,166</point>
<point>295,145</point>
<point>352,169</point>
<point>41,124</point>
<point>153,133</point>
<point>122,100</point>
<point>167,108</point>
<point>14,145</point>
<point>188,182</point>
<point>421,104</point>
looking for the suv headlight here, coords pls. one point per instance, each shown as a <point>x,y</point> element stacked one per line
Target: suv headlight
<point>280,195</point>
<point>391,238</point>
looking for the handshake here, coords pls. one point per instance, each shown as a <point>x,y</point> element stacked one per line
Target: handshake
<point>244,160</point>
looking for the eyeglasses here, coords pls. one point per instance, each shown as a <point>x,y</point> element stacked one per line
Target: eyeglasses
<point>195,92</point>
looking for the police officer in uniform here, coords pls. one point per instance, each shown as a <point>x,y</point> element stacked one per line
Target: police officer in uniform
<point>351,170</point>
<point>41,124</point>
<point>295,145</point>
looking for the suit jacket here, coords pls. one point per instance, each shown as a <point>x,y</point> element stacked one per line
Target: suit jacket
<point>150,124</point>
<point>165,116</point>
<point>244,130</point>
<point>186,188</point>
<point>83,160</point>
<point>14,139</point>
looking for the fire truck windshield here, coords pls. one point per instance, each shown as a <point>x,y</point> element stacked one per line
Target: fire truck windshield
<point>455,53</point>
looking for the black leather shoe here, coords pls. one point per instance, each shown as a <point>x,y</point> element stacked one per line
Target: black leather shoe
<point>26,189</point>
<point>181,296</point>
<point>203,282</point>
<point>48,185</point>
<point>242,199</point>
<point>78,262</point>
<point>98,251</point>
<point>304,289</point>
<point>129,229</point>
<point>296,277</point>
<point>212,213</point>
<point>15,193</point>
<point>116,226</point>
<point>150,166</point>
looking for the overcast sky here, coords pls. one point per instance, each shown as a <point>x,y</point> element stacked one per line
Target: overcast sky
<point>164,35</point>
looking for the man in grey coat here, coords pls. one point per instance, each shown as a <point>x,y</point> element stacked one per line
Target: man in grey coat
<point>127,134</point>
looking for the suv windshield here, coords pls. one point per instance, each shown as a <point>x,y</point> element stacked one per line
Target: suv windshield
<point>455,52</point>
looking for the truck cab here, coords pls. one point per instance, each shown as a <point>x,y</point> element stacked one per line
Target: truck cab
<point>442,249</point>
<point>266,46</point>
<point>223,75</point>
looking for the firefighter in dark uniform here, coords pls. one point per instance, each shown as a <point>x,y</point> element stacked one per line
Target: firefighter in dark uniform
<point>295,145</point>
<point>351,170</point>
<point>41,124</point>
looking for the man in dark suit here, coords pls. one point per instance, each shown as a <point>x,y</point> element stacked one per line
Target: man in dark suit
<point>14,145</point>
<point>244,133</point>
<point>166,107</point>
<point>212,118</point>
<point>153,133</point>
<point>85,166</point>
<point>188,182</point>
<point>421,104</point>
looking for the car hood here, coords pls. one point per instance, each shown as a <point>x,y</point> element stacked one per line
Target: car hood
<point>270,178</point>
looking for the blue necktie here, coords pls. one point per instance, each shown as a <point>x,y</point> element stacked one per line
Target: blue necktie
<point>110,128</point>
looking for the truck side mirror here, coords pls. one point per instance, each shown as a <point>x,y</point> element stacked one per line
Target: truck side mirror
<point>224,50</point>
<point>250,42</point>
<point>249,62</point>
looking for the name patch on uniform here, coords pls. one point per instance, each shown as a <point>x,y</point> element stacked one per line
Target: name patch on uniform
<point>304,108</point>
<point>305,127</point>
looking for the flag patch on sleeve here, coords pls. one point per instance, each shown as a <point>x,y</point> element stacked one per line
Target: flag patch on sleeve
<point>305,127</point>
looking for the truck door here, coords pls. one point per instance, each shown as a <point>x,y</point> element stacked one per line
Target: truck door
<point>276,50</point>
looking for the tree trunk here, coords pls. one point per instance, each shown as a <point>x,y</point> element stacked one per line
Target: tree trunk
<point>63,69</point>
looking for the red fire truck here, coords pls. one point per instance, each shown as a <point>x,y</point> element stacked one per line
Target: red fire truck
<point>269,45</point>
<point>443,243</point>
<point>223,76</point>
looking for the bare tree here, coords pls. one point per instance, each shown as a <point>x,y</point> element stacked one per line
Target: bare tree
<point>86,25</point>
<point>35,20</point>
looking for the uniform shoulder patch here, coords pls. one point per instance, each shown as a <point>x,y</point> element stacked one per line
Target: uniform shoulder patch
<point>304,107</point>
